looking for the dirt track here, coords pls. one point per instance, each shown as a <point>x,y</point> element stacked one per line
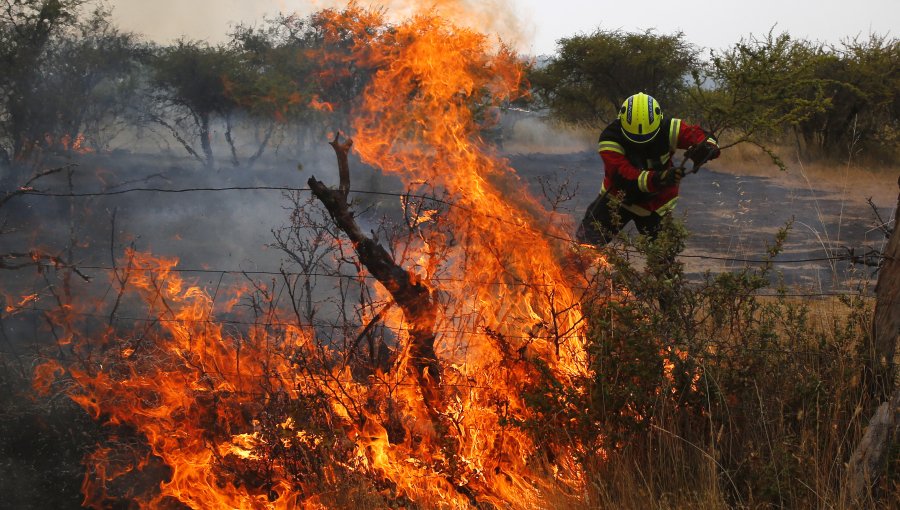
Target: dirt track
<point>731,216</point>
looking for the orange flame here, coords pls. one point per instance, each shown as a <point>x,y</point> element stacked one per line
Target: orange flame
<point>13,307</point>
<point>199,394</point>
<point>320,105</point>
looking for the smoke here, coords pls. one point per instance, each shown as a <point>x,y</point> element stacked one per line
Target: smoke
<point>526,133</point>
<point>164,21</point>
<point>490,17</point>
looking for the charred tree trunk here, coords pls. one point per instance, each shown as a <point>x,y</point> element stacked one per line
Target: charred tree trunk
<point>235,162</point>
<point>206,141</point>
<point>883,431</point>
<point>886,324</point>
<point>409,293</point>
<point>262,145</point>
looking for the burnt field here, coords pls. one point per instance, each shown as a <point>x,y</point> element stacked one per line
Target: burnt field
<point>211,297</point>
<point>223,219</point>
<point>732,218</point>
<point>220,224</point>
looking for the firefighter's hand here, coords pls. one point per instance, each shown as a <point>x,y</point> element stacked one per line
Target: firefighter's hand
<point>704,151</point>
<point>670,177</point>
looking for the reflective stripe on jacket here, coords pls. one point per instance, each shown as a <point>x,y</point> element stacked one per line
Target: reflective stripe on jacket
<point>629,167</point>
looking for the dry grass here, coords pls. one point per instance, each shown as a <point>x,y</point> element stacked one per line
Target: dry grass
<point>823,311</point>
<point>853,180</point>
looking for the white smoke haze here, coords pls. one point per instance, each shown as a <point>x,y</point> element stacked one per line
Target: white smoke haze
<point>534,26</point>
<point>164,21</point>
<point>529,133</point>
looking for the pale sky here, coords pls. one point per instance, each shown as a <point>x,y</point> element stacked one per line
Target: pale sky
<point>534,26</point>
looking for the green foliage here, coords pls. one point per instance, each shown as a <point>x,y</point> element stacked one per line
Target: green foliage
<point>90,81</point>
<point>862,83</point>
<point>586,82</point>
<point>761,86</point>
<point>837,100</point>
<point>278,74</point>
<point>763,389</point>
<point>190,80</point>
<point>303,66</point>
<point>26,30</point>
<point>190,74</point>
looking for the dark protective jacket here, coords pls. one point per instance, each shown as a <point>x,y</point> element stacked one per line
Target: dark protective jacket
<point>631,168</point>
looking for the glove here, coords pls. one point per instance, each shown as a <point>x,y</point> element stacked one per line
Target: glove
<point>704,151</point>
<point>669,177</point>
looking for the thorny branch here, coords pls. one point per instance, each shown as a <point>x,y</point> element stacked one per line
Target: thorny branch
<point>882,225</point>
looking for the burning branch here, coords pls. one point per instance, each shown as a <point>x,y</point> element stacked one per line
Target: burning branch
<point>413,297</point>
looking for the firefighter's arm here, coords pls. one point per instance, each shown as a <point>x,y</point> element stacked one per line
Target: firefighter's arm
<point>701,146</point>
<point>629,177</point>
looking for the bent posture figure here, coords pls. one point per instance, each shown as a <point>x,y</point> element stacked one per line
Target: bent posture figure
<point>640,181</point>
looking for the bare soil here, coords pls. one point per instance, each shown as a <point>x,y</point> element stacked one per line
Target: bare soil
<point>734,210</point>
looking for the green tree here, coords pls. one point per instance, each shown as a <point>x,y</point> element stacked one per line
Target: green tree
<point>89,82</point>
<point>760,89</point>
<point>304,71</point>
<point>278,84</point>
<point>191,90</point>
<point>27,28</point>
<point>862,83</point>
<point>591,75</point>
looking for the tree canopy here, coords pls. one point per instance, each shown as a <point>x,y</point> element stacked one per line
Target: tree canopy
<point>763,89</point>
<point>590,76</point>
<point>70,74</point>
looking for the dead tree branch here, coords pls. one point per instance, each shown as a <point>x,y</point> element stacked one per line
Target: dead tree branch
<point>16,260</point>
<point>413,297</point>
<point>881,225</point>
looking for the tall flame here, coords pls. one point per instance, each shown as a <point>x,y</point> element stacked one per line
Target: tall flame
<point>220,408</point>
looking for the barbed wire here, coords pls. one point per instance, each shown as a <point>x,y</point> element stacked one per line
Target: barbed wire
<point>807,352</point>
<point>850,256</point>
<point>438,279</point>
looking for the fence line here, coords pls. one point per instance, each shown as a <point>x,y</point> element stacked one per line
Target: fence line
<point>850,256</point>
<point>325,325</point>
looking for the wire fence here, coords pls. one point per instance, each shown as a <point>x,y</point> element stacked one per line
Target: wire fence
<point>867,256</point>
<point>270,322</point>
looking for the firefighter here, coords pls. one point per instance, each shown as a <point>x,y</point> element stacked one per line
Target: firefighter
<point>640,181</point>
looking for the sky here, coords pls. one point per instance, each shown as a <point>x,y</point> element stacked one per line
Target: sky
<point>534,26</point>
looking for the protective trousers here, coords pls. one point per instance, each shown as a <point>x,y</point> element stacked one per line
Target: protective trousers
<point>605,218</point>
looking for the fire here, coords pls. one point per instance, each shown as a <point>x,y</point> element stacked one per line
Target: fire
<point>68,143</point>
<point>320,105</point>
<point>14,306</point>
<point>247,419</point>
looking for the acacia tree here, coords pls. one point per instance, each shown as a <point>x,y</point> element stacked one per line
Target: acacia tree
<point>760,88</point>
<point>190,90</point>
<point>276,86</point>
<point>591,75</point>
<point>70,78</point>
<point>26,30</point>
<point>861,79</point>
<point>91,79</point>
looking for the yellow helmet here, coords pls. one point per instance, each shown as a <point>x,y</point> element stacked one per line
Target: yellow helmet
<point>641,117</point>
